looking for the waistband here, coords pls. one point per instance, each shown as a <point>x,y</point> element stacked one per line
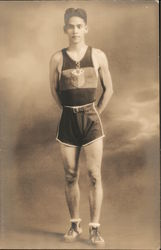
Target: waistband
<point>81,108</point>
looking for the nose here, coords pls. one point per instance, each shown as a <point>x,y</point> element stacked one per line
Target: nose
<point>75,29</point>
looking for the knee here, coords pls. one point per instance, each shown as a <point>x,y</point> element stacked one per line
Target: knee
<point>94,176</point>
<point>71,176</point>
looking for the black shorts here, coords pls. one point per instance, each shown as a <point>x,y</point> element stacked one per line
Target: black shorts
<point>79,126</point>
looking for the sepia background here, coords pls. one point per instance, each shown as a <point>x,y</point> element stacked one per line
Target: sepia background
<point>32,201</point>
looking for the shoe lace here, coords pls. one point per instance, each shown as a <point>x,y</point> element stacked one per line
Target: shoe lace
<point>72,228</point>
<point>96,234</point>
<point>70,232</point>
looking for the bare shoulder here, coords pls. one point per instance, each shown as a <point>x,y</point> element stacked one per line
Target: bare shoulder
<point>99,53</point>
<point>56,58</point>
<point>100,56</point>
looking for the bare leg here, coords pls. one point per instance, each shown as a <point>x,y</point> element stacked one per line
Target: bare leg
<point>93,154</point>
<point>70,160</point>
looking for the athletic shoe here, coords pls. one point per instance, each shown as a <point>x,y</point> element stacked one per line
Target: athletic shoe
<point>73,233</point>
<point>95,237</point>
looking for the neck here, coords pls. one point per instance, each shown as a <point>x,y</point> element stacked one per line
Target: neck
<point>77,47</point>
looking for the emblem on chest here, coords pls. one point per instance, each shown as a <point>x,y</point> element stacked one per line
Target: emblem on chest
<point>77,77</point>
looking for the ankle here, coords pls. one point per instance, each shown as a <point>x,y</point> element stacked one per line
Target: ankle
<point>75,224</point>
<point>74,220</point>
<point>94,224</point>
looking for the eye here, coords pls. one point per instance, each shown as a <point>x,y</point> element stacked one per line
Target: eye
<point>79,26</point>
<point>70,26</point>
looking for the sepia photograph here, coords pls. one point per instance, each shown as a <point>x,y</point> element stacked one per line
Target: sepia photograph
<point>80,128</point>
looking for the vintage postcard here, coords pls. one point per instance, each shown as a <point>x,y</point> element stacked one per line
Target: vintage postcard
<point>80,141</point>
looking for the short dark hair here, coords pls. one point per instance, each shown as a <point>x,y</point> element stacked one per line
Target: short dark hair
<point>70,12</point>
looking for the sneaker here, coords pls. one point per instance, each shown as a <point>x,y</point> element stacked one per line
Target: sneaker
<point>95,237</point>
<point>73,233</point>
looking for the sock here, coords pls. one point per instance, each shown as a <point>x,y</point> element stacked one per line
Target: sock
<point>75,220</point>
<point>94,224</point>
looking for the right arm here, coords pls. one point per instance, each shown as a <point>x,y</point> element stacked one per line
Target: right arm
<point>54,76</point>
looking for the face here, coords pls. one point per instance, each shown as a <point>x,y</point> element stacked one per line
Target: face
<point>76,29</point>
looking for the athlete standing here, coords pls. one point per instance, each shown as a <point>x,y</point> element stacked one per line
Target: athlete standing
<point>74,73</point>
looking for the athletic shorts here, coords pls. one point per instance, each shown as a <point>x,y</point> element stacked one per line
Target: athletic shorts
<point>79,126</point>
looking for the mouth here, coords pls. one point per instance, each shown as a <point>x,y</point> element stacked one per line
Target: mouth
<point>75,36</point>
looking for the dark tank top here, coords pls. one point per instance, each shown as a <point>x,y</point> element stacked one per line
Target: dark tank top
<point>78,81</point>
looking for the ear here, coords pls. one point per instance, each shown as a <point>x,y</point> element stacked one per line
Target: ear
<point>86,29</point>
<point>64,28</point>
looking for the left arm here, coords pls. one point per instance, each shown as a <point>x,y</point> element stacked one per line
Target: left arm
<point>106,81</point>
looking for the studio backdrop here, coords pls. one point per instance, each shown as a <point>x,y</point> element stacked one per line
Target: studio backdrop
<point>33,211</point>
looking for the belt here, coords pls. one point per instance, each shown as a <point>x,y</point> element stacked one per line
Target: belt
<point>81,108</point>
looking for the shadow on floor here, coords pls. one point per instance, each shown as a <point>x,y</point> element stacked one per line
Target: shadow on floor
<point>59,237</point>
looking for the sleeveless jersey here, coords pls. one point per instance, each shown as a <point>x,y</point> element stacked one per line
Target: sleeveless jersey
<point>78,81</point>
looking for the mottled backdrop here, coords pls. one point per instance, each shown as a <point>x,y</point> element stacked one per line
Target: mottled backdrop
<point>32,202</point>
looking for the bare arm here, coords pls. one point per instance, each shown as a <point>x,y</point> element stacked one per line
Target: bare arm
<point>54,77</point>
<point>106,81</point>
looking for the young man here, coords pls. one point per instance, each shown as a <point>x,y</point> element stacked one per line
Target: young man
<point>74,73</point>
